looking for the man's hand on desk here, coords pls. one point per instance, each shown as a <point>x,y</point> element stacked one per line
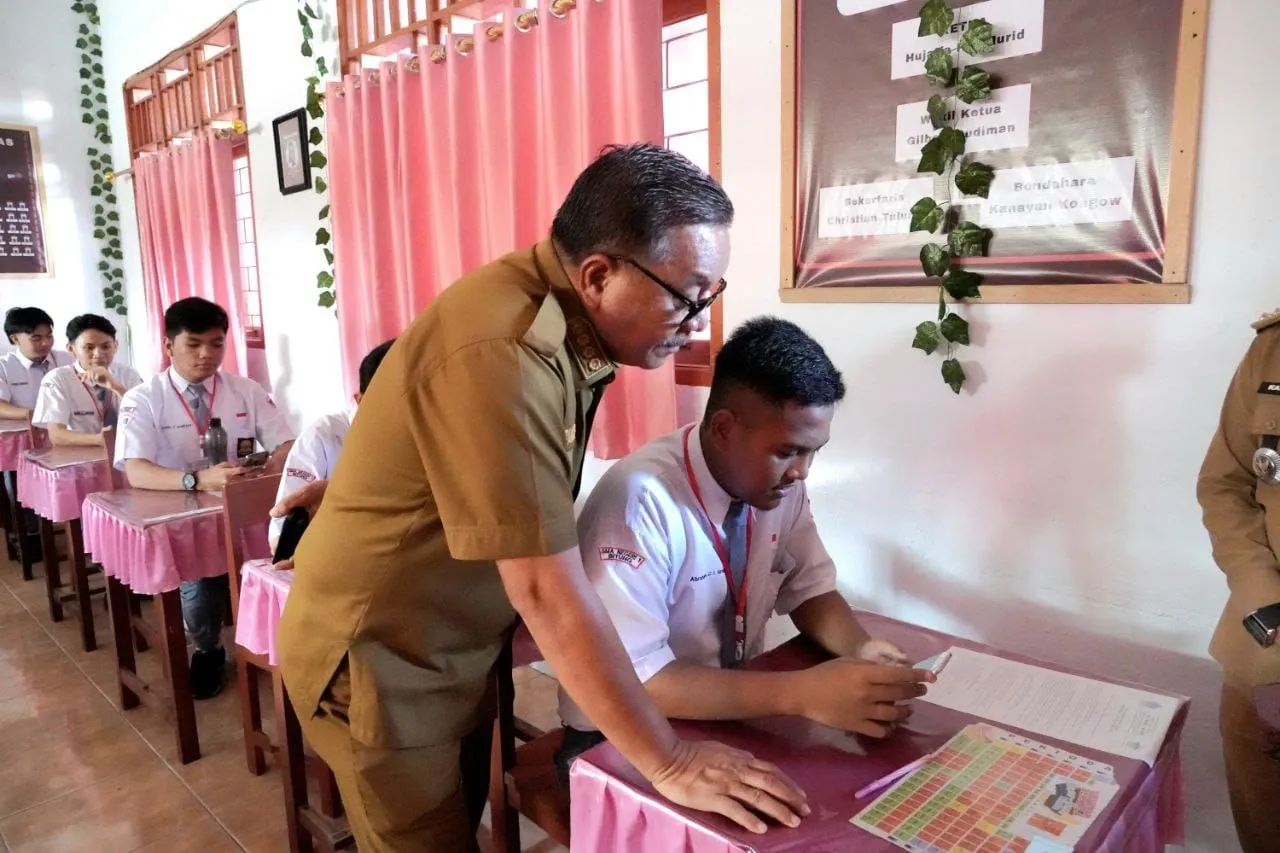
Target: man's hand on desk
<point>712,777</point>
<point>857,696</point>
<point>882,651</point>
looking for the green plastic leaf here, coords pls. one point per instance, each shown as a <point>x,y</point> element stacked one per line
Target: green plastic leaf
<point>99,234</point>
<point>100,221</point>
<point>967,240</point>
<point>975,179</point>
<point>326,299</point>
<point>103,114</point>
<point>302,17</point>
<point>937,112</point>
<point>113,231</point>
<point>955,329</point>
<point>104,266</point>
<point>307,33</point>
<point>84,28</point>
<point>978,39</point>
<point>85,90</point>
<point>314,109</point>
<point>324,212</point>
<point>933,157</point>
<point>95,191</point>
<point>95,39</point>
<point>974,85</point>
<point>85,74</point>
<point>938,67</point>
<point>318,159</point>
<point>322,66</point>
<point>934,259</point>
<point>953,374</point>
<point>926,215</point>
<point>97,68</point>
<point>306,48</point>
<point>314,137</point>
<point>322,237</point>
<point>100,98</point>
<point>91,8</point>
<point>82,44</point>
<point>306,7</point>
<point>962,284</point>
<point>113,216</point>
<point>320,185</point>
<point>328,257</point>
<point>953,141</point>
<point>324,279</point>
<point>86,104</point>
<point>78,8</point>
<point>927,337</point>
<point>108,292</point>
<point>935,18</point>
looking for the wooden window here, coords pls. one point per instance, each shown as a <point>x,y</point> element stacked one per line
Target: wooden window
<point>199,86</point>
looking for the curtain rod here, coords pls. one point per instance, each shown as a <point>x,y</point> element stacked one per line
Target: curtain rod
<point>220,128</point>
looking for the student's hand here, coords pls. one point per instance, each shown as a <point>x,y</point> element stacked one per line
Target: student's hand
<point>215,478</point>
<point>856,696</point>
<point>283,565</point>
<point>308,497</point>
<point>712,777</point>
<point>882,651</point>
<point>102,376</point>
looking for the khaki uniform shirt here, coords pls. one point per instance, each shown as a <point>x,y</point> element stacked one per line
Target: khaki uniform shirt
<point>467,449</point>
<point>1242,514</point>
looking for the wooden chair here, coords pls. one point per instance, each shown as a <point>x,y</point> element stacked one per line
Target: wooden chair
<point>246,502</point>
<point>523,780</point>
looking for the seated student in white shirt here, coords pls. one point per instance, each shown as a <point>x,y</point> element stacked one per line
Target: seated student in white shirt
<point>79,403</point>
<point>23,369</point>
<point>667,527</point>
<point>158,447</point>
<point>314,454</point>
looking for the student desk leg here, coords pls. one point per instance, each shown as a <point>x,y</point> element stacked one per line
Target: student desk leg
<point>8,520</point>
<point>52,576</point>
<point>80,583</point>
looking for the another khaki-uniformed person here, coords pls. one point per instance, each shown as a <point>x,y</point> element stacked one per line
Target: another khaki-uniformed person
<point>450,513</point>
<point>1242,515</point>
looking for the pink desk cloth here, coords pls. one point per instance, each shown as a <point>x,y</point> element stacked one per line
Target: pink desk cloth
<point>152,541</point>
<point>15,437</point>
<point>263,590</point>
<point>54,482</point>
<point>614,808</point>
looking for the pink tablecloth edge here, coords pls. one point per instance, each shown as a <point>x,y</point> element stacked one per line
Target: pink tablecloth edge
<point>58,494</point>
<point>156,559</point>
<point>12,444</point>
<point>259,610</point>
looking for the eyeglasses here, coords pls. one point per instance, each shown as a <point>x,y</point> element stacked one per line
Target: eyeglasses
<point>694,306</point>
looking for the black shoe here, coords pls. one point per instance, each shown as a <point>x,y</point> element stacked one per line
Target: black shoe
<point>206,673</point>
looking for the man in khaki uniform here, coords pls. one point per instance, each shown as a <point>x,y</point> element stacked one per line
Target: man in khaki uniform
<point>451,512</point>
<point>1240,496</point>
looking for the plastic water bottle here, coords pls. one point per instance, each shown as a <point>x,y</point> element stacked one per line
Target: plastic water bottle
<point>214,443</point>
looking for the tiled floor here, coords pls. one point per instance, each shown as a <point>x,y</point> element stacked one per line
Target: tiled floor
<point>77,774</point>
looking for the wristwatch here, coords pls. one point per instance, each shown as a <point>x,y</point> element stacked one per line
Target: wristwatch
<point>1264,624</point>
<point>188,482</point>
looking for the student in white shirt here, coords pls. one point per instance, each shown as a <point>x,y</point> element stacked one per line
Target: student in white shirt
<point>668,528</point>
<point>314,454</point>
<point>23,369</point>
<point>80,402</point>
<point>158,447</point>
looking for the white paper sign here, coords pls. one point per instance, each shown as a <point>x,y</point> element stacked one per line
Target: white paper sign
<point>853,7</point>
<point>1018,25</point>
<point>996,124</point>
<point>864,210</point>
<point>1090,192</point>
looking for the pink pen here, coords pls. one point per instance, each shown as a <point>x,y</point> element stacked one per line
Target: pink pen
<point>885,781</point>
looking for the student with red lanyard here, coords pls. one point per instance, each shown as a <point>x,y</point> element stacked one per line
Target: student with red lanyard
<point>158,447</point>
<point>79,403</point>
<point>696,539</point>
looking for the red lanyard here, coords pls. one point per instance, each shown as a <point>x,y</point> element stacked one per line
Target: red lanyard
<point>93,398</point>
<point>739,595</point>
<point>200,430</point>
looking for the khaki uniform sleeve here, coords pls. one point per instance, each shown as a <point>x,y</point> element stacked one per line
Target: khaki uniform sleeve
<point>489,424</point>
<point>1227,491</point>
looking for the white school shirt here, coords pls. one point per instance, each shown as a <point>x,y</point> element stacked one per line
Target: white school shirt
<point>312,457</point>
<point>649,552</point>
<point>20,379</point>
<point>155,426</point>
<point>65,400</point>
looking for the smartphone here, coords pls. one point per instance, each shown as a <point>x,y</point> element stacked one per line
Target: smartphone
<point>253,460</point>
<point>295,524</point>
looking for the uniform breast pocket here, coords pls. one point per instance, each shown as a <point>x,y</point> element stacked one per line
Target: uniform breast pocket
<point>1266,438</point>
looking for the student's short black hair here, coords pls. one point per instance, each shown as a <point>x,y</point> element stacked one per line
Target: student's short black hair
<point>369,364</point>
<point>194,316</point>
<point>24,321</point>
<point>625,202</point>
<point>85,322</point>
<point>779,361</point>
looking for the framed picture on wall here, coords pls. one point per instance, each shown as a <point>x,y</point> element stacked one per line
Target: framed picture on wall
<point>293,165</point>
<point>22,245</point>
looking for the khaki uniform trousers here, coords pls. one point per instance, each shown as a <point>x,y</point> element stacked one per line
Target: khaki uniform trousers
<point>1251,750</point>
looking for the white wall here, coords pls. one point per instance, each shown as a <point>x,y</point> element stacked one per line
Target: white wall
<point>1053,510</point>
<point>40,85</point>
<point>301,338</point>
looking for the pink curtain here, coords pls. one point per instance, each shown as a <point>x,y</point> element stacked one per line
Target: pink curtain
<point>187,226</point>
<point>440,167</point>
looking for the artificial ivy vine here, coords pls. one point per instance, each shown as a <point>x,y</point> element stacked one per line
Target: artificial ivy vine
<point>939,155</point>
<point>93,103</point>
<point>315,109</point>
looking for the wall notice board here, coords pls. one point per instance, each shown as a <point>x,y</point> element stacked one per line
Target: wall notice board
<point>1092,133</point>
<point>22,244</point>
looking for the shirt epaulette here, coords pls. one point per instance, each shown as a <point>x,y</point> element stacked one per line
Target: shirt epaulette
<point>1267,320</point>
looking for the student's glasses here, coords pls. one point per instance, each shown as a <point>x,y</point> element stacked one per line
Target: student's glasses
<point>693,306</point>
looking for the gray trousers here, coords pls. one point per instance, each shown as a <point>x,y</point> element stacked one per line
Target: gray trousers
<point>204,606</point>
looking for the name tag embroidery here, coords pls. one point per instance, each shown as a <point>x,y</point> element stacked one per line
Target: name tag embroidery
<point>711,574</point>
<point>1272,388</point>
<point>299,474</point>
<point>621,555</point>
<point>82,414</point>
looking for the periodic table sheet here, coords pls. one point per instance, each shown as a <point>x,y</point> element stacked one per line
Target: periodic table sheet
<point>988,790</point>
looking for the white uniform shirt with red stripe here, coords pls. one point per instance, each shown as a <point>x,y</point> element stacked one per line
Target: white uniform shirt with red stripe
<point>312,457</point>
<point>156,425</point>
<point>65,397</point>
<point>649,552</point>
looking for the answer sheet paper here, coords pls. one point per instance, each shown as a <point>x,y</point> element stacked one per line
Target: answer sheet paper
<point>1110,717</point>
